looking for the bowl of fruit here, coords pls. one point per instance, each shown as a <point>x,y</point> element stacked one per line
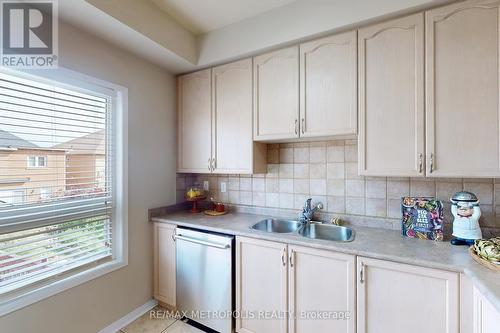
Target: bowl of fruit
<point>194,194</point>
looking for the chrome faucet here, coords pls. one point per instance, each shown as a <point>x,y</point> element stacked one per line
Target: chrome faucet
<point>308,211</point>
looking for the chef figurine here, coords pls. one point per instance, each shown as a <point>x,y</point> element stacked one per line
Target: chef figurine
<point>465,209</point>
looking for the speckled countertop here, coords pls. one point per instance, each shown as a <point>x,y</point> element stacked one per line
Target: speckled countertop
<point>368,242</point>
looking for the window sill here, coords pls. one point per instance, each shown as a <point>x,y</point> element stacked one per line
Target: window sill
<point>23,299</point>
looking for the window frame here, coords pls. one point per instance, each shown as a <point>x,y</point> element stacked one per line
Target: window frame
<point>37,161</point>
<point>70,79</point>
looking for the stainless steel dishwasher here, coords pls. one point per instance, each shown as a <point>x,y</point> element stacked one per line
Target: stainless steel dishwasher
<point>205,278</point>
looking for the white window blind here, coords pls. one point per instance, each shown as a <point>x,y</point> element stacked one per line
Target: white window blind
<point>56,149</point>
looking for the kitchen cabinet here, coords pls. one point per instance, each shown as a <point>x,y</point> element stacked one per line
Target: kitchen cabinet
<point>328,86</point>
<point>234,150</point>
<point>391,98</point>
<point>486,317</point>
<point>462,90</point>
<point>276,95</point>
<point>395,297</point>
<point>215,122</point>
<point>194,122</point>
<point>164,264</point>
<point>261,286</point>
<point>274,278</point>
<point>321,283</point>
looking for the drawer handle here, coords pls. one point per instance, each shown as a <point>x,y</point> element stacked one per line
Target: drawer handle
<point>202,242</point>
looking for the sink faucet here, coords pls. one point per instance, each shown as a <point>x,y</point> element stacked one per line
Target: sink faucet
<point>308,211</point>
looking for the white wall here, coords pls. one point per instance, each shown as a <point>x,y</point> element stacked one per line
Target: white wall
<point>296,21</point>
<point>152,145</point>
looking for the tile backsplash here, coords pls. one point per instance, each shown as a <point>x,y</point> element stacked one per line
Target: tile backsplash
<point>327,172</point>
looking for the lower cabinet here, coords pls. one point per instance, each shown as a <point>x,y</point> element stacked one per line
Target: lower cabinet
<point>486,317</point>
<point>281,288</point>
<point>321,291</point>
<point>164,264</point>
<point>395,298</point>
<point>261,286</point>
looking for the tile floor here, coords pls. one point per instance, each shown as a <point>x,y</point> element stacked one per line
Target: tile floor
<point>151,324</point>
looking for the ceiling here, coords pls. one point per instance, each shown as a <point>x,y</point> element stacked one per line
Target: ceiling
<point>202,16</point>
<point>186,35</point>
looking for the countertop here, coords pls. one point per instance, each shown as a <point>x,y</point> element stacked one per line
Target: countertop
<point>368,242</point>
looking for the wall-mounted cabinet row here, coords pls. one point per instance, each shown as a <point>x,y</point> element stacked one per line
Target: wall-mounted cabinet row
<point>215,121</point>
<point>427,86</point>
<point>458,72</point>
<point>307,91</point>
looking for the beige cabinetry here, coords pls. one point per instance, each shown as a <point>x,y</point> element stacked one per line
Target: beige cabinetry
<point>261,286</point>
<point>234,150</point>
<point>462,91</point>
<point>164,264</point>
<point>321,291</point>
<point>486,317</point>
<point>194,119</point>
<point>391,98</point>
<point>395,298</point>
<point>276,95</point>
<point>296,285</point>
<point>215,121</point>
<point>328,86</point>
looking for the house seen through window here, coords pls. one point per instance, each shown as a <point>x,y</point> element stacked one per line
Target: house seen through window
<point>56,193</point>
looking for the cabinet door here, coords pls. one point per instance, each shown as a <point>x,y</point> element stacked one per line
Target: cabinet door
<point>194,122</point>
<point>164,264</point>
<point>322,283</point>
<point>328,86</point>
<point>462,111</point>
<point>232,105</point>
<point>486,317</point>
<point>261,286</point>
<point>395,298</point>
<point>276,95</point>
<point>391,99</point>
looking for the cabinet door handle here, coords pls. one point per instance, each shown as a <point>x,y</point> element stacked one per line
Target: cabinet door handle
<point>362,273</point>
<point>210,164</point>
<point>283,254</point>
<point>420,162</point>
<point>296,125</point>
<point>431,163</point>
<point>292,253</point>
<point>303,126</point>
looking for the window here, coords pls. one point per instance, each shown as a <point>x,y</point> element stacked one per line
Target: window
<point>37,161</point>
<point>12,197</point>
<point>68,221</point>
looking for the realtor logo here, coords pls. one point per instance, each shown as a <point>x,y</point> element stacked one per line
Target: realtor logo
<point>29,33</point>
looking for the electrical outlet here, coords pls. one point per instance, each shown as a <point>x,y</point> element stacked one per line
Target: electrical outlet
<point>206,187</point>
<point>223,187</point>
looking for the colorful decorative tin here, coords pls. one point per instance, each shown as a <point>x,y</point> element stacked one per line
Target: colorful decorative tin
<point>422,218</point>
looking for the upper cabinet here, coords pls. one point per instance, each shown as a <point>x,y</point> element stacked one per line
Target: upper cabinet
<point>328,86</point>
<point>391,98</point>
<point>323,73</point>
<point>215,121</point>
<point>462,91</point>
<point>194,118</point>
<point>276,95</point>
<point>234,150</point>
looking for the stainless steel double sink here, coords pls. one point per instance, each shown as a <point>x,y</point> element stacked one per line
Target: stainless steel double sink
<point>313,230</point>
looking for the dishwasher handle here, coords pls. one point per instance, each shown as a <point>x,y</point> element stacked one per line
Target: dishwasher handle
<point>202,242</point>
